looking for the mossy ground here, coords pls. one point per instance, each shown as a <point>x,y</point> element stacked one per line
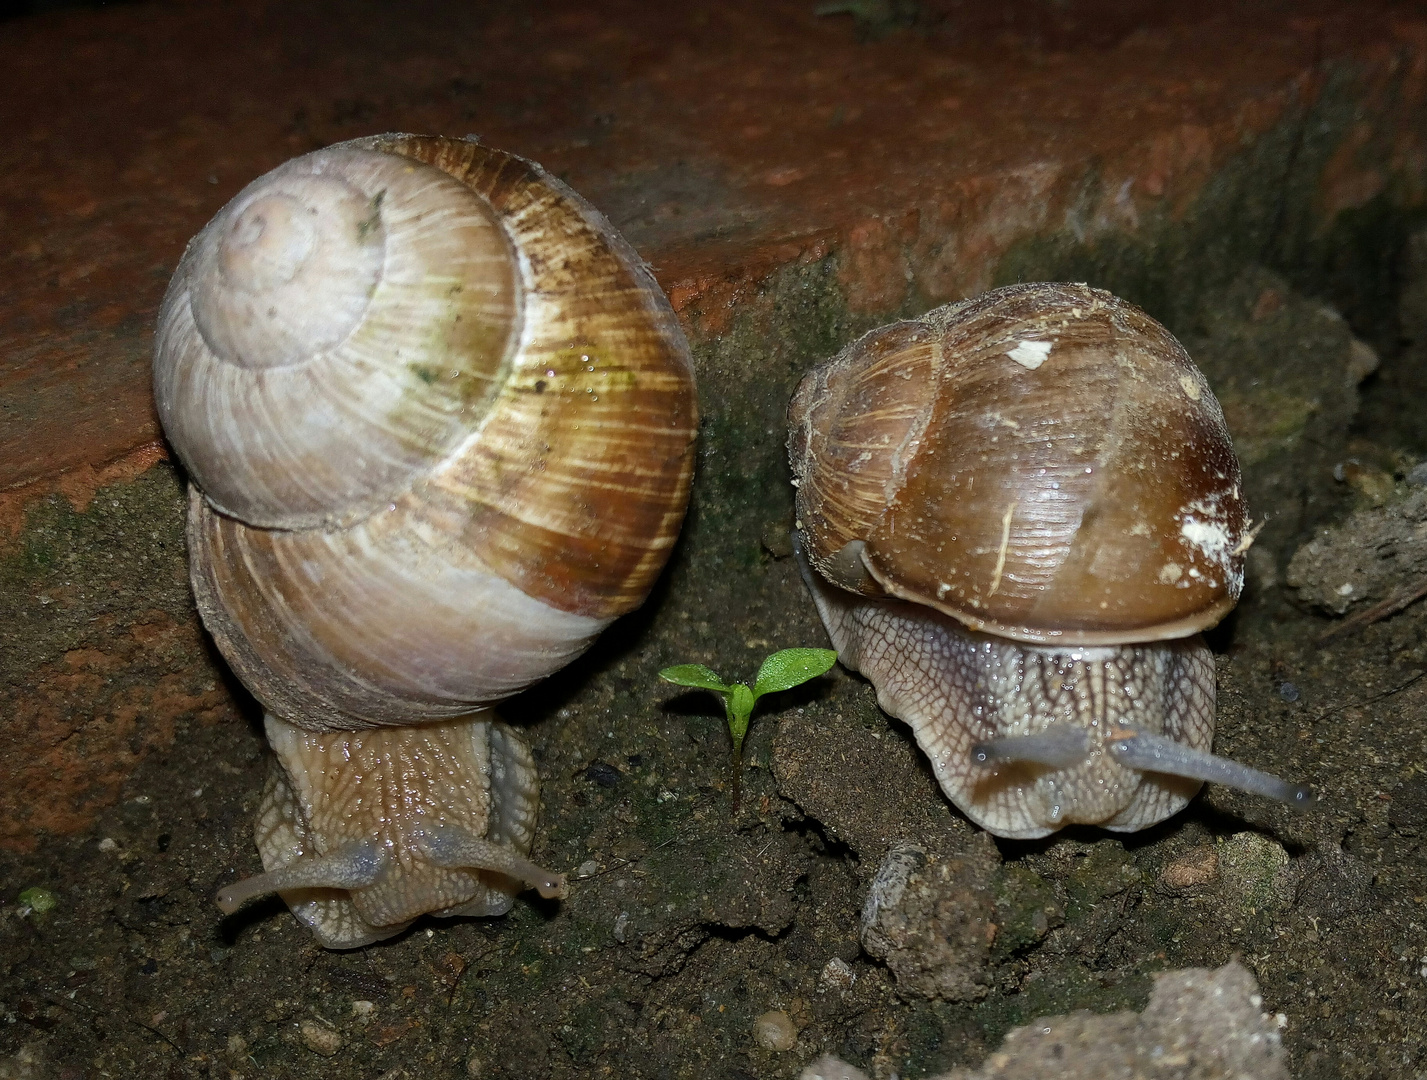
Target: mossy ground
<point>686,919</point>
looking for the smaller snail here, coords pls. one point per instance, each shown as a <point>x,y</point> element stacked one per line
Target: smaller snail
<point>1015,515</point>
<point>438,421</point>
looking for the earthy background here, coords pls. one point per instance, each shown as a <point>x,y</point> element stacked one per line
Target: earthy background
<point>1253,174</point>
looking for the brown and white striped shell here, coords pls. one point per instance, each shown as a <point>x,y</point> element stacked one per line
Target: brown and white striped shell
<point>438,420</point>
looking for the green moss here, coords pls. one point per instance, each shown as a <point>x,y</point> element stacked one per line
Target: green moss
<point>39,900</point>
<point>1057,990</point>
<point>1106,870</point>
<point>1026,909</point>
<point>747,375</point>
<point>934,1035</point>
<point>1272,421</point>
<point>1255,873</point>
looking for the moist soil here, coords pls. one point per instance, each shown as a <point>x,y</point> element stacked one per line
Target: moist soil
<point>690,917</point>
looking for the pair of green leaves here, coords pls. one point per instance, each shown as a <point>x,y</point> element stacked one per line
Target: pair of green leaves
<point>781,671</point>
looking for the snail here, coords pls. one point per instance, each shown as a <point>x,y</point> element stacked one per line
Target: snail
<point>1016,515</point>
<point>438,423</point>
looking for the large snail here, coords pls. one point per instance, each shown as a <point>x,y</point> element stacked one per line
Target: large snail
<point>1015,515</point>
<point>438,421</point>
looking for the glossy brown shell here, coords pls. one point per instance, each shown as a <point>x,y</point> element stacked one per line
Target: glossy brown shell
<point>1043,462</point>
<point>544,456</point>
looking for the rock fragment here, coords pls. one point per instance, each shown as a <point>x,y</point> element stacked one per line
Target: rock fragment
<point>1373,555</point>
<point>1198,1023</point>
<point>319,1038</point>
<point>930,919</point>
<point>774,1030</point>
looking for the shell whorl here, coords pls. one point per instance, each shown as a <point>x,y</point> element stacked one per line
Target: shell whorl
<point>287,374</point>
<point>531,431</point>
<point>1043,462</point>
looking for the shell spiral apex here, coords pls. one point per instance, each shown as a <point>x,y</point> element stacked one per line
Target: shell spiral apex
<point>287,355</point>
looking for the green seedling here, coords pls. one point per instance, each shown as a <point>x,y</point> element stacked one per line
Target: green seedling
<point>781,671</point>
<point>39,900</point>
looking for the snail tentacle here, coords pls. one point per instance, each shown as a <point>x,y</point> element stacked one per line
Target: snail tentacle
<point>352,866</point>
<point>1059,746</point>
<point>456,848</point>
<point>1155,753</point>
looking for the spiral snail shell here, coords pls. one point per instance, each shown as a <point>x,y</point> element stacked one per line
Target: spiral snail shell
<point>1015,515</point>
<point>438,421</point>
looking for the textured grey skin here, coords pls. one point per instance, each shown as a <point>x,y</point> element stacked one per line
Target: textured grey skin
<point>957,688</point>
<point>283,834</point>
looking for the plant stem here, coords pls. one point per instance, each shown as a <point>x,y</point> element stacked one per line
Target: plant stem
<point>737,772</point>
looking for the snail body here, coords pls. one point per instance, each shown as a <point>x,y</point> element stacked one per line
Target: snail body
<point>438,421</point>
<point>1015,516</point>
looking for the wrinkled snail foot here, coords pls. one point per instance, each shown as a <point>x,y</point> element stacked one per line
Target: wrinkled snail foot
<point>1063,745</point>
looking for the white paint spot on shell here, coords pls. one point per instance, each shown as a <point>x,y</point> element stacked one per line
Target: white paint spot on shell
<point>1031,354</point>
<point>1169,573</point>
<point>1210,537</point>
<point>1204,526</point>
<point>1190,386</point>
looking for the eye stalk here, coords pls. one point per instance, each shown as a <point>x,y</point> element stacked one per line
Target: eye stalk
<point>1155,753</point>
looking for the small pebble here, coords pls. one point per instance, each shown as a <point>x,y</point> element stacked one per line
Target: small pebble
<point>363,1011</point>
<point>108,844</point>
<point>588,868</point>
<point>837,975</point>
<point>1194,869</point>
<point>1288,691</point>
<point>621,927</point>
<point>319,1038</point>
<point>475,1066</point>
<point>774,1031</point>
<point>828,1067</point>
